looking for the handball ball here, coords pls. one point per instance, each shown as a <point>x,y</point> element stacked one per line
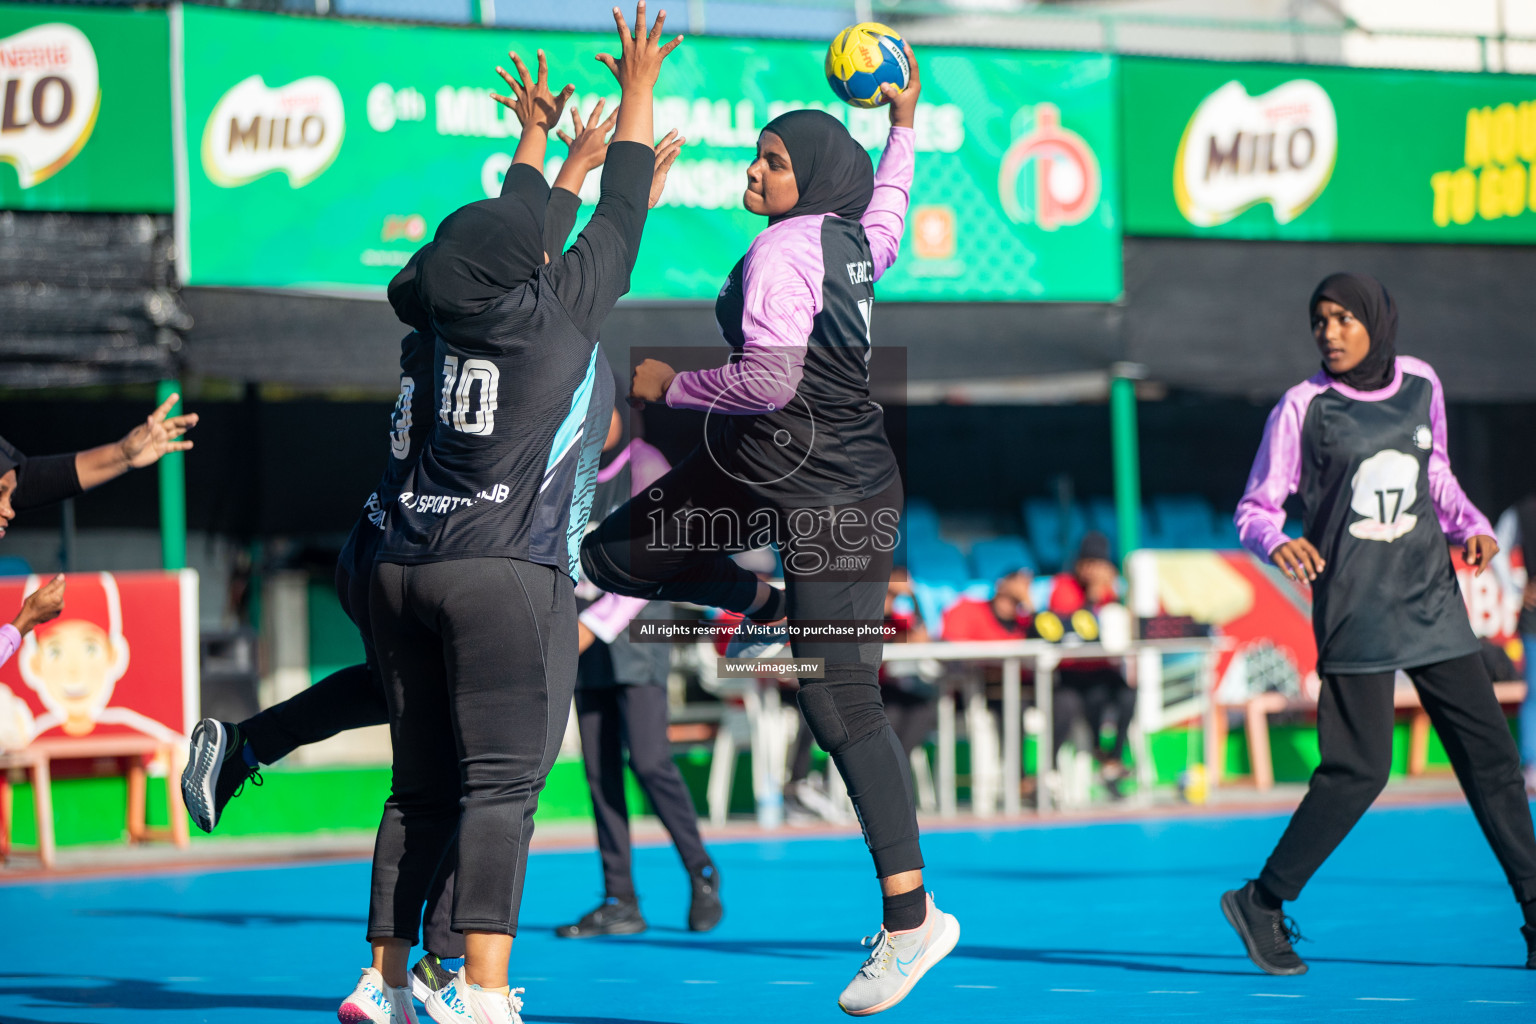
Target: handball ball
<point>861,59</point>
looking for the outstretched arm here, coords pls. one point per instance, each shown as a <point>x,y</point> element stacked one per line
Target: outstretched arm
<point>52,478</point>
<point>594,272</point>
<point>885,219</point>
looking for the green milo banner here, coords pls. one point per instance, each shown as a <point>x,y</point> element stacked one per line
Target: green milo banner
<point>321,154</point>
<point>85,110</point>
<point>1330,154</point>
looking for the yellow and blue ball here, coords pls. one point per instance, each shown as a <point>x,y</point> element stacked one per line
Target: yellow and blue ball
<point>864,57</point>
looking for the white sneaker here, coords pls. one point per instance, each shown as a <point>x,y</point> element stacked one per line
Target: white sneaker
<point>758,640</point>
<point>463,1003</point>
<point>897,962</point>
<point>377,1002</point>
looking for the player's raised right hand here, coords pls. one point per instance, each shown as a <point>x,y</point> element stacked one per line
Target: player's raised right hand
<point>640,52</point>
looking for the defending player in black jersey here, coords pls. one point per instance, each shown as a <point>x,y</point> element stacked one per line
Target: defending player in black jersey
<point>472,604</point>
<point>1363,443</point>
<point>795,453</point>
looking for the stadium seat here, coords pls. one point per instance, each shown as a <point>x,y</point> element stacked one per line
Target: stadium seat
<point>920,520</point>
<point>1183,521</point>
<point>1054,541</point>
<point>13,566</point>
<point>990,559</point>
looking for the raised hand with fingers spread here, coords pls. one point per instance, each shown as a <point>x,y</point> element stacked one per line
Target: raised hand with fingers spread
<point>587,146</point>
<point>538,110</point>
<point>637,67</point>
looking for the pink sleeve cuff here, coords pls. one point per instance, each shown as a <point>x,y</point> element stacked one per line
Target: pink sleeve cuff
<point>10,640</point>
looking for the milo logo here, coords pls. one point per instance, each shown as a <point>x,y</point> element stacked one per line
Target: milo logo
<point>51,97</point>
<point>255,130</point>
<point>1240,150</point>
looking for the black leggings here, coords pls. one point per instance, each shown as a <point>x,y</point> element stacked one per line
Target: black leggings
<point>613,718</point>
<point>479,661</point>
<point>673,543</point>
<point>1354,730</point>
<point>349,698</point>
<point>913,716</point>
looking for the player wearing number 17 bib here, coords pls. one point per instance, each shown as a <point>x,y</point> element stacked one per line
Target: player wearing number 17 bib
<point>1363,444</point>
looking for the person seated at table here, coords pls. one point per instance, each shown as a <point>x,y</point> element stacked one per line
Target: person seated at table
<point>1091,690</point>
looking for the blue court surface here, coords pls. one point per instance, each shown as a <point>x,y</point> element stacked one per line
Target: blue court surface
<point>1410,921</point>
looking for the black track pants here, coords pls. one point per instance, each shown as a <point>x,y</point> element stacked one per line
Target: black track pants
<point>837,564</point>
<point>1354,730</point>
<point>479,661</point>
<point>613,719</point>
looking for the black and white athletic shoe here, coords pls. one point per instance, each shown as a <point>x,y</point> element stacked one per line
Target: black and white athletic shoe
<point>216,770</point>
<point>1530,946</point>
<point>1267,934</point>
<point>706,910</point>
<point>613,916</point>
<point>432,974</point>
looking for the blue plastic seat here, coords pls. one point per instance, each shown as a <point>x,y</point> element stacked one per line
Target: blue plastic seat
<point>1184,521</point>
<point>10,565</point>
<point>1053,545</point>
<point>990,559</point>
<point>920,520</point>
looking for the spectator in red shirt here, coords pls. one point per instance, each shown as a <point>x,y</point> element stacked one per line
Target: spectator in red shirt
<point>1001,617</point>
<point>1092,689</point>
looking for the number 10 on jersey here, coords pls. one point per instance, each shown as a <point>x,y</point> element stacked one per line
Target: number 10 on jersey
<point>461,407</point>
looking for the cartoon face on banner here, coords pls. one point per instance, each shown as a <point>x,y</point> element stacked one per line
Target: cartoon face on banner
<point>121,658</point>
<point>74,662</point>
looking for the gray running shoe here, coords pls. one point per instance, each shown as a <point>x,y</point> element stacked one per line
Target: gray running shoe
<point>897,961</point>
<point>758,640</point>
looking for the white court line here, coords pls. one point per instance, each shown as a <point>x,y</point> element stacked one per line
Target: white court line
<point>1071,990</point>
<point>699,981</point>
<point>1383,999</point>
<point>1277,995</point>
<point>789,983</point>
<point>1498,1002</point>
<point>1170,992</point>
<point>614,981</point>
<point>975,986</point>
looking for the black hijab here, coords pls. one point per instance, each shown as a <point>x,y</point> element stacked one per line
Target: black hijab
<point>832,171</point>
<point>10,458</point>
<point>485,249</point>
<point>1365,297</point>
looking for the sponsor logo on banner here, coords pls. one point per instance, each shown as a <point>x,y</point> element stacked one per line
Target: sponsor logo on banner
<point>1240,150</point>
<point>51,97</point>
<point>256,130</point>
<point>1049,176</point>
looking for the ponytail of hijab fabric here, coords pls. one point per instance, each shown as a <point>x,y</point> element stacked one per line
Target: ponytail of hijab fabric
<point>832,171</point>
<point>1369,302</point>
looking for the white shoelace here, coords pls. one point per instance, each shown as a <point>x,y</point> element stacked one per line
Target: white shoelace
<point>879,956</point>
